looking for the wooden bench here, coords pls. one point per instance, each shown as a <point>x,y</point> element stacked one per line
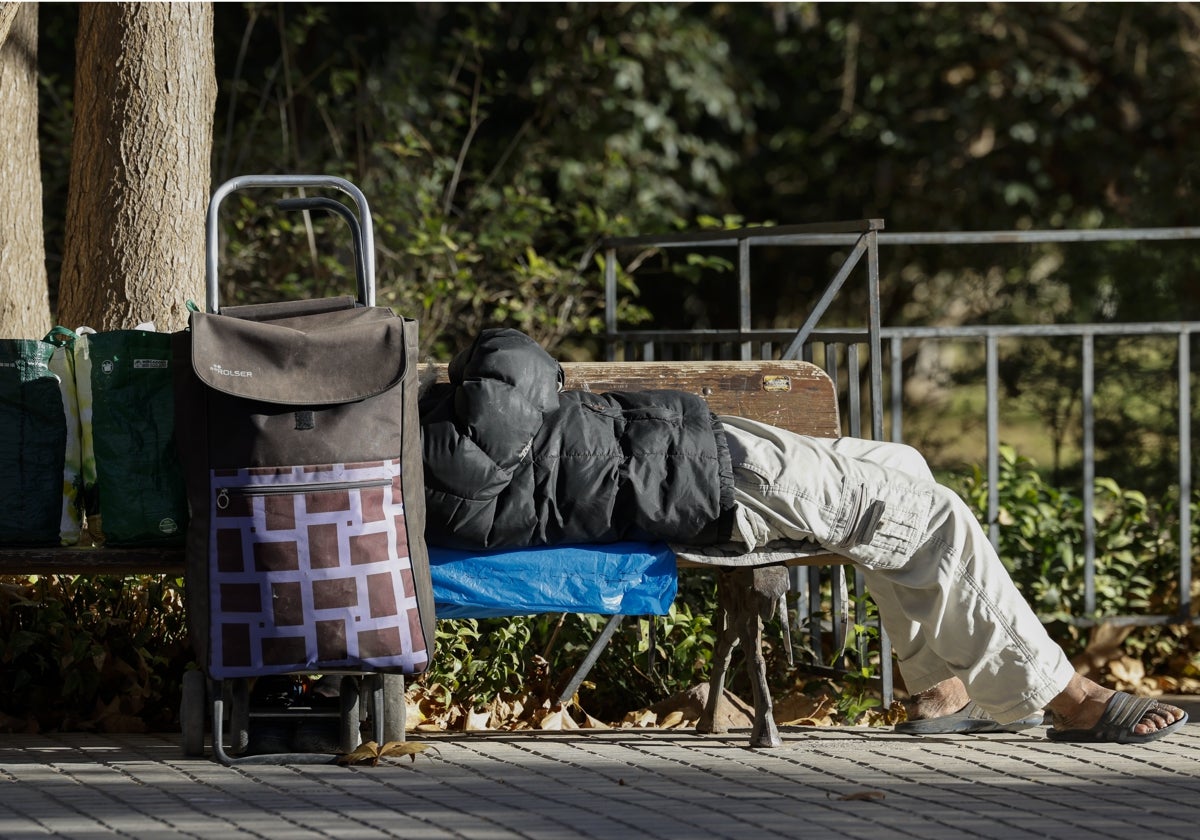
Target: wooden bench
<point>793,395</point>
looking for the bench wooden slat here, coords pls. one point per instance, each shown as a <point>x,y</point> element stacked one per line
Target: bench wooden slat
<point>107,560</point>
<point>793,395</point>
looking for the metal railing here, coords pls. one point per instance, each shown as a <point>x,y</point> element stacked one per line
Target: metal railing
<point>1086,335</point>
<point>840,350</point>
<point>861,237</point>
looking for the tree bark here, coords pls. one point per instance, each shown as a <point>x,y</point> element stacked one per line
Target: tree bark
<point>145,90</point>
<point>8,12</point>
<point>24,299</point>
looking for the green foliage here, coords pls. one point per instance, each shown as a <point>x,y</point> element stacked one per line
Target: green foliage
<point>955,116</point>
<point>1041,539</point>
<point>94,653</point>
<point>500,143</point>
<point>683,642</point>
<point>482,658</point>
<point>856,692</point>
<point>856,660</point>
<point>856,696</point>
<point>489,144</point>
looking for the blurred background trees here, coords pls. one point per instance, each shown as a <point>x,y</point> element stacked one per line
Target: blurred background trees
<point>499,142</point>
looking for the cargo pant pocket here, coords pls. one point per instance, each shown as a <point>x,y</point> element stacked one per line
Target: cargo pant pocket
<point>881,525</point>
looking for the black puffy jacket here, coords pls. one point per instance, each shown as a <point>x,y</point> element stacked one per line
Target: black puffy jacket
<point>511,460</point>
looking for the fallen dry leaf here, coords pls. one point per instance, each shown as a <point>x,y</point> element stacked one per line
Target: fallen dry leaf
<point>590,722</point>
<point>557,720</point>
<point>641,718</point>
<point>1176,685</point>
<point>893,715</point>
<point>802,710</point>
<point>1104,645</point>
<point>862,796</point>
<point>414,716</point>
<point>371,753</point>
<point>1128,671</point>
<point>672,720</point>
<point>477,721</point>
<point>549,721</point>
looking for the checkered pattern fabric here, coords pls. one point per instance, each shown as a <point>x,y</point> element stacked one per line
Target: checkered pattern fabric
<point>310,571</point>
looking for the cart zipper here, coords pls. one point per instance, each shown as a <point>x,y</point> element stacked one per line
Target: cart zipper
<point>225,493</point>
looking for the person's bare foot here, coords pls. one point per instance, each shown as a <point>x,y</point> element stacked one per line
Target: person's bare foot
<point>945,698</point>
<point>1081,705</point>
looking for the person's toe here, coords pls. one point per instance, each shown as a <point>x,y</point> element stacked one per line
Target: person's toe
<point>1160,716</point>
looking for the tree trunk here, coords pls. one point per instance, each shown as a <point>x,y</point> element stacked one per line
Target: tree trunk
<point>24,300</point>
<point>145,90</point>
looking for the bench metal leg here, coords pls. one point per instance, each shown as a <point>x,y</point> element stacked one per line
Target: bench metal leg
<point>593,654</point>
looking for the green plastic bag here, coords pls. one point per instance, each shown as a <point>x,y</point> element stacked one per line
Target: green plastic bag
<point>40,450</point>
<point>133,482</point>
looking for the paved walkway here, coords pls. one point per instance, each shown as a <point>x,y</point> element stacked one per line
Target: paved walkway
<point>834,783</point>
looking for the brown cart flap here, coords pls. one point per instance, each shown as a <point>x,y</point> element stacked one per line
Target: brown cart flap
<point>322,360</point>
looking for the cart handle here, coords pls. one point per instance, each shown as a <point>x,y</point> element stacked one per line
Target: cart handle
<point>367,288</point>
<point>322,202</point>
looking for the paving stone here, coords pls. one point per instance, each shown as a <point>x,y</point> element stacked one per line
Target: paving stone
<point>621,784</point>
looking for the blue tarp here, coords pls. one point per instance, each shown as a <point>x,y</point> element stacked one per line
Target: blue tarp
<point>628,578</point>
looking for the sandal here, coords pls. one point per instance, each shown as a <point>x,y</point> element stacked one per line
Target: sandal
<point>1124,711</point>
<point>969,720</point>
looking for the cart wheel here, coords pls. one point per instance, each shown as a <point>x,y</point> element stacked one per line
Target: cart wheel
<point>192,711</point>
<point>394,706</point>
<point>349,725</point>
<point>239,716</point>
